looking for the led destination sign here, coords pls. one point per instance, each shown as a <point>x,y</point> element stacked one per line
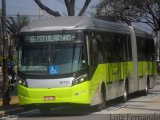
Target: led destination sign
<point>49,38</point>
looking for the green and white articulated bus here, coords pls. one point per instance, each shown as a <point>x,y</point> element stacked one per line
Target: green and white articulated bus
<point>82,61</point>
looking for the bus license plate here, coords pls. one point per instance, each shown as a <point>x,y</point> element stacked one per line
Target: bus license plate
<point>48,98</point>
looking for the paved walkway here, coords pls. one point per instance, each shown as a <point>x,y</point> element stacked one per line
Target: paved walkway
<point>14,103</point>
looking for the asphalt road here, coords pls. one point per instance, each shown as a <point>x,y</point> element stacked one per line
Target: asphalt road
<point>116,110</point>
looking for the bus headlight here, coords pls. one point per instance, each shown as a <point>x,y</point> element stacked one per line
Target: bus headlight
<point>79,80</point>
<point>23,83</point>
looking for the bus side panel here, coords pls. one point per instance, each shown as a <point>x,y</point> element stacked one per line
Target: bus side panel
<point>145,68</point>
<point>96,80</point>
<point>114,78</point>
<point>152,73</point>
<point>140,69</point>
<point>130,76</point>
<point>81,93</point>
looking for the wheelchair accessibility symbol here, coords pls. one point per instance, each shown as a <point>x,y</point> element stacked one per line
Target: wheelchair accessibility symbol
<point>53,69</point>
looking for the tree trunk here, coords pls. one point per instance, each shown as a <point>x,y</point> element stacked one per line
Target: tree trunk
<point>84,7</point>
<point>48,10</point>
<point>70,4</point>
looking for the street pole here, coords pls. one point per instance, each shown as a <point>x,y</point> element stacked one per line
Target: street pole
<point>6,97</point>
<point>158,42</point>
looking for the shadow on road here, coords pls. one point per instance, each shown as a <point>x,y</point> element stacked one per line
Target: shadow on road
<point>62,112</point>
<point>76,111</point>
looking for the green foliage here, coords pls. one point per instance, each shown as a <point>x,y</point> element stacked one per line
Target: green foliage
<point>145,11</point>
<point>14,59</point>
<point>121,9</point>
<point>21,21</point>
<point>15,24</point>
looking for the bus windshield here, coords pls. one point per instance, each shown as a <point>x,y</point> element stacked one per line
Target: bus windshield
<point>51,59</point>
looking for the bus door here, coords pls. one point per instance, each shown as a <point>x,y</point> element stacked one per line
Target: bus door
<point>115,65</point>
<point>140,53</point>
<point>151,63</point>
<point>124,57</point>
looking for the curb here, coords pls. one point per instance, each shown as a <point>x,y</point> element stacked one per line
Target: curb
<point>2,113</point>
<point>9,111</point>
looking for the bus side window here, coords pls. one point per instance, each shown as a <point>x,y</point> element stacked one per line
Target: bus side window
<point>96,44</point>
<point>129,52</point>
<point>151,50</point>
<point>140,48</point>
<point>93,50</point>
<point>119,46</point>
<point>108,47</point>
<point>114,50</point>
<point>124,50</point>
<point>100,47</point>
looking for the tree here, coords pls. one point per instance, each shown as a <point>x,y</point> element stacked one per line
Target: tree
<point>14,24</point>
<point>151,14</point>
<point>122,10</point>
<point>0,29</point>
<point>145,11</point>
<point>70,4</point>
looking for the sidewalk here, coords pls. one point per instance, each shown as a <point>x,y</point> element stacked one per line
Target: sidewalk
<point>14,105</point>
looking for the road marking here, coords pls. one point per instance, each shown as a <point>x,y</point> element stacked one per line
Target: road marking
<point>117,107</point>
<point>31,111</point>
<point>150,96</point>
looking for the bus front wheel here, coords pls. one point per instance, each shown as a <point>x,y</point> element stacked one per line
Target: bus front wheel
<point>102,105</point>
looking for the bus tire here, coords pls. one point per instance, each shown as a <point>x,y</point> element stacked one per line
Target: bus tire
<point>102,105</point>
<point>125,95</point>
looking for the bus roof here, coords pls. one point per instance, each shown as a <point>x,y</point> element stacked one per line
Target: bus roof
<point>78,22</point>
<point>73,23</point>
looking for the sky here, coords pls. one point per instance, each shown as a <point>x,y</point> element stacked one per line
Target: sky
<point>29,7</point>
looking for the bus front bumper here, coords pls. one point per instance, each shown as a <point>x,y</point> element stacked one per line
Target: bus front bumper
<point>78,94</point>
